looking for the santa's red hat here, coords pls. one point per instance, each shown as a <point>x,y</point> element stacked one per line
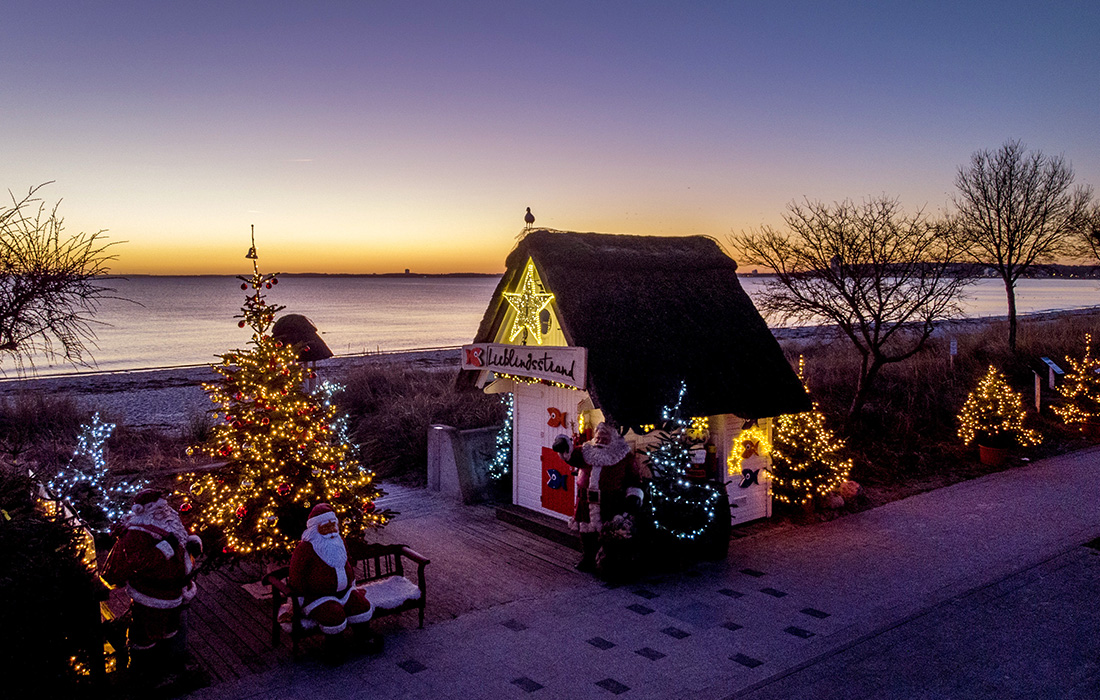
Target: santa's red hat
<point>321,512</point>
<point>145,498</point>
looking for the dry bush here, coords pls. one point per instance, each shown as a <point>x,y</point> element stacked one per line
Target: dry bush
<point>907,432</point>
<point>38,428</point>
<point>391,407</point>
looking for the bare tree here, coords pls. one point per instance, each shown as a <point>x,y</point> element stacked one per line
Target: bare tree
<point>883,277</point>
<point>50,283</point>
<point>1016,208</point>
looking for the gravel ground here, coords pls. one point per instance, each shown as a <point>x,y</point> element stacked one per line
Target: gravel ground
<point>167,399</point>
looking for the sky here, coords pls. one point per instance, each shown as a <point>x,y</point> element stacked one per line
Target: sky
<point>365,137</point>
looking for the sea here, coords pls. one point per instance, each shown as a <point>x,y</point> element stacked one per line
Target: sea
<point>161,322</point>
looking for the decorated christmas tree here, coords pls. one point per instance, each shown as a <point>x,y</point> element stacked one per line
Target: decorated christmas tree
<point>806,456</point>
<point>1081,389</point>
<point>994,414</point>
<point>680,506</point>
<point>284,450</point>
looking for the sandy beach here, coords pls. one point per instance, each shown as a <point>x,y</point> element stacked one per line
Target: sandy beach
<point>167,399</point>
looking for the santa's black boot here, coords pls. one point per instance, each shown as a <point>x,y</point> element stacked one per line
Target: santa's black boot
<point>336,649</point>
<point>590,544</point>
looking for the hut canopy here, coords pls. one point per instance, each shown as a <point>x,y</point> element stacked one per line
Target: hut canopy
<point>654,311</point>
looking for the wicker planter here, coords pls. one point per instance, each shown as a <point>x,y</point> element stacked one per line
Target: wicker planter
<point>992,456</point>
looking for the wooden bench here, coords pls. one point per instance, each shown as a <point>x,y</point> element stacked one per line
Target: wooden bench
<point>380,572</point>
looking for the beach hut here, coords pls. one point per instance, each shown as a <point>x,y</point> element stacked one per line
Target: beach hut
<point>585,327</point>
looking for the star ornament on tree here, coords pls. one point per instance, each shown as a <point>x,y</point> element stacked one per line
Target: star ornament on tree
<point>528,300</point>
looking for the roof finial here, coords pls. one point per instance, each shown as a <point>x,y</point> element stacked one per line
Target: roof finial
<point>529,218</point>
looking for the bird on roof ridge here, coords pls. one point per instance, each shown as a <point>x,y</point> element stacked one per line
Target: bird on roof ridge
<point>529,218</point>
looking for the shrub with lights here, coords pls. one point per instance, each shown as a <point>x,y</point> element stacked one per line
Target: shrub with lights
<point>284,450</point>
<point>993,415</point>
<point>86,484</point>
<point>807,459</point>
<point>680,508</point>
<point>1081,389</point>
<point>501,463</point>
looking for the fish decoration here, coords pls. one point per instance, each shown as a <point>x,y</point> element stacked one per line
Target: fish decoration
<point>749,477</point>
<point>557,480</point>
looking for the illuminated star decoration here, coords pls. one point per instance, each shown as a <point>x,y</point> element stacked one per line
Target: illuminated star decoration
<point>528,301</point>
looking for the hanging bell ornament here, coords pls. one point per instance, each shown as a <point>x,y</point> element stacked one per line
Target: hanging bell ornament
<point>185,507</point>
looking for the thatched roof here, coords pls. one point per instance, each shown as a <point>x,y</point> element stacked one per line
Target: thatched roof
<point>653,311</point>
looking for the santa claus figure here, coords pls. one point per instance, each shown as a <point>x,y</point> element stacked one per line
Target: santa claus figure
<point>321,575</point>
<point>153,558</point>
<point>609,483</point>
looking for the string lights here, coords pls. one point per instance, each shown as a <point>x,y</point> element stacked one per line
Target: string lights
<point>994,414</point>
<point>1081,388</point>
<point>679,507</point>
<point>501,463</point>
<point>285,450</point>
<point>86,484</point>
<point>806,461</point>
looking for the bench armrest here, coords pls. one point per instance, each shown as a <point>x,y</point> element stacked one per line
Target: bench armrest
<point>277,579</point>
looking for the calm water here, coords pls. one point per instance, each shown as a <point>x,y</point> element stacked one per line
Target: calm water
<point>189,320</point>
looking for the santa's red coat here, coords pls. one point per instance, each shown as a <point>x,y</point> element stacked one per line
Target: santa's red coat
<point>311,578</point>
<point>153,564</point>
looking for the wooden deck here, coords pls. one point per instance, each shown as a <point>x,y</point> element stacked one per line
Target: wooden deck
<point>477,562</point>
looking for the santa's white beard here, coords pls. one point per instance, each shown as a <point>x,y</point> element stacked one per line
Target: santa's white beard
<point>163,516</point>
<point>330,548</point>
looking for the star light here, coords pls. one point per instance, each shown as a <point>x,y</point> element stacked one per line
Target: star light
<point>528,301</point>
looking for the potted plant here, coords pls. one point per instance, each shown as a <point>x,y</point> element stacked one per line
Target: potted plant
<point>993,416</point>
<point>1081,390</point>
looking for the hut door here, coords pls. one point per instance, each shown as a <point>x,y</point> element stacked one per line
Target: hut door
<point>533,458</point>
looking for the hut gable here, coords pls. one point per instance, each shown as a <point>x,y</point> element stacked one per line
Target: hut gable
<point>652,312</point>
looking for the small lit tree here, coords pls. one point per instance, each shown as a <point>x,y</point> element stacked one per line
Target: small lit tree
<point>1081,388</point>
<point>994,414</point>
<point>806,457</point>
<point>501,464</point>
<point>87,485</point>
<point>680,507</point>
<point>284,450</point>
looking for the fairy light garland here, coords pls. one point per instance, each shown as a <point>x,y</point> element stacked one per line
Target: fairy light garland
<point>285,450</point>
<point>86,482</point>
<point>995,412</point>
<point>1081,388</point>
<point>753,439</point>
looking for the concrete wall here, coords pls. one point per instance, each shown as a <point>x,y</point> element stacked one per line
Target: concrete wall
<point>458,461</point>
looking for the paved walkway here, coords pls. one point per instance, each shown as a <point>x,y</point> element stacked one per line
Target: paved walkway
<point>981,589</point>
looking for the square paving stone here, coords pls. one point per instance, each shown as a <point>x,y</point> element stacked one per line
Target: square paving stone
<point>815,613</point>
<point>730,593</point>
<point>613,686</point>
<point>675,632</point>
<point>514,625</point>
<point>646,593</point>
<point>601,643</point>
<point>649,653</point>
<point>700,615</point>
<point>799,632</point>
<point>731,626</point>
<point>527,684</point>
<point>412,666</point>
<point>773,592</point>
<point>640,609</point>
<point>747,661</point>
<point>752,572</point>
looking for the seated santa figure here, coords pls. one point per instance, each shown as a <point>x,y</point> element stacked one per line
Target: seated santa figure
<point>321,575</point>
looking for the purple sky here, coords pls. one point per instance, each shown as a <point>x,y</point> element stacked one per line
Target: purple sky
<point>373,137</point>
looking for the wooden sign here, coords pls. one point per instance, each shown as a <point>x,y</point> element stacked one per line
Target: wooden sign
<point>564,364</point>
